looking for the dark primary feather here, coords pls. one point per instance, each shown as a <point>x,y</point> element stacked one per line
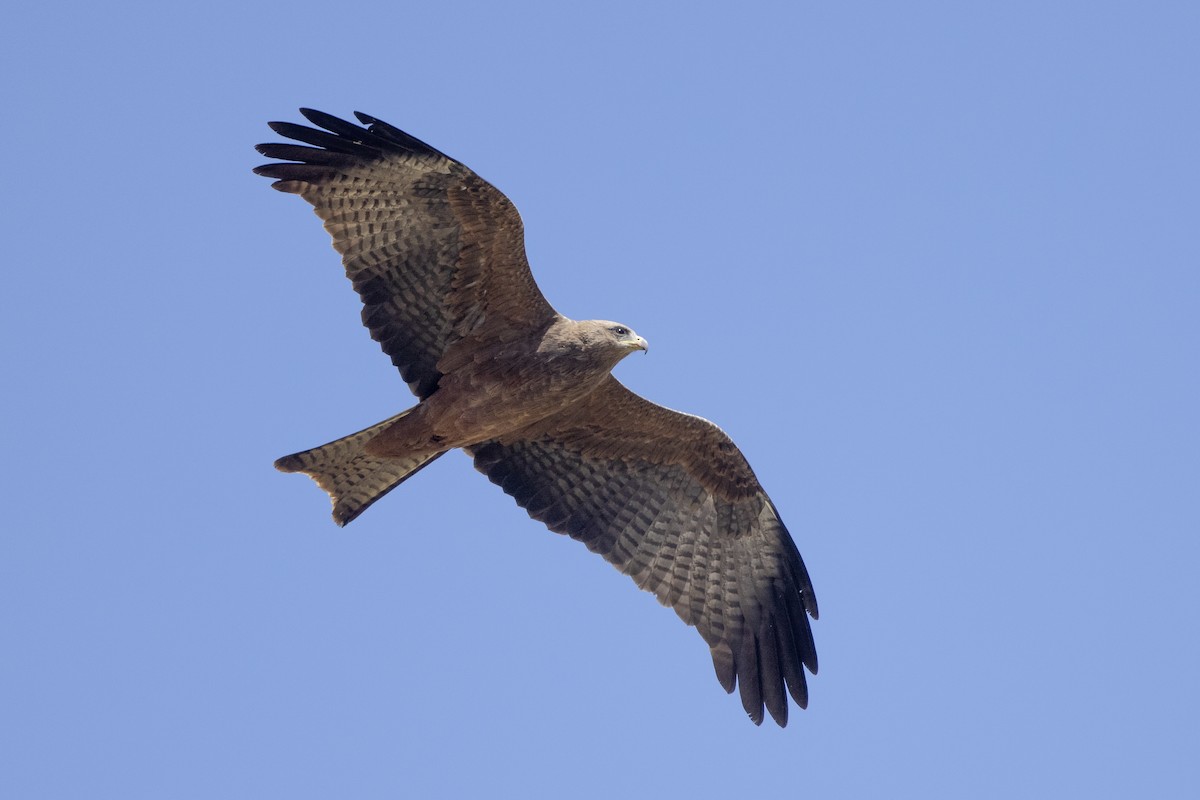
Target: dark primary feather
<point>330,141</point>
<point>398,137</point>
<point>712,548</point>
<point>435,252</point>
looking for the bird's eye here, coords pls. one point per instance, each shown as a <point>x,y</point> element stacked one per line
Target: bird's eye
<point>619,331</point>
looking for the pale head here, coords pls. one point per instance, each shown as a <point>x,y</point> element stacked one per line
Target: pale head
<point>614,339</point>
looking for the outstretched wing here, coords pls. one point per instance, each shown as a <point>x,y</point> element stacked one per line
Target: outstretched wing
<point>436,253</point>
<point>669,500</point>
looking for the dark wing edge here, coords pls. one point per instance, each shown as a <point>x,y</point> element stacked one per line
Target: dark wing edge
<point>729,567</point>
<point>435,252</point>
<point>339,144</point>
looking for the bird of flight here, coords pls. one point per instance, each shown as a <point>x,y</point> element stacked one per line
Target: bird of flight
<point>437,255</point>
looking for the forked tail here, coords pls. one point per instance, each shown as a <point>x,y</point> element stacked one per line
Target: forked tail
<point>353,479</point>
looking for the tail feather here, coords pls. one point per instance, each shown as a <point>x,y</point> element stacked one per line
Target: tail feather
<point>353,479</point>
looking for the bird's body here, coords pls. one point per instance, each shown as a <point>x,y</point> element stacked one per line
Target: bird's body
<point>437,256</point>
<point>507,386</point>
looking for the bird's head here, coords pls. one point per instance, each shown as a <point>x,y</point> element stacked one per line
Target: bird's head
<point>624,337</point>
<point>613,338</point>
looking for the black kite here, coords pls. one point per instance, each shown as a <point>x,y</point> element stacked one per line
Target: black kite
<point>438,257</point>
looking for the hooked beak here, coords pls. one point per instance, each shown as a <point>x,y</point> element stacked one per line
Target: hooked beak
<point>642,344</point>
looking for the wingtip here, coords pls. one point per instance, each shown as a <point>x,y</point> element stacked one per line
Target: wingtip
<point>752,703</point>
<point>287,185</point>
<point>331,123</point>
<point>799,693</point>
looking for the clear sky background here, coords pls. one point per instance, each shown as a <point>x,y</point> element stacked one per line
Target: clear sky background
<point>935,266</point>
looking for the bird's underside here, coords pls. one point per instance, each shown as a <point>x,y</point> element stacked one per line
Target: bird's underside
<point>437,256</point>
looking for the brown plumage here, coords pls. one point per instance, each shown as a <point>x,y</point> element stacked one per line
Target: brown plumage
<point>438,257</point>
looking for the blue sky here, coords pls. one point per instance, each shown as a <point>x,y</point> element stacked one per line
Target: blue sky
<point>933,265</point>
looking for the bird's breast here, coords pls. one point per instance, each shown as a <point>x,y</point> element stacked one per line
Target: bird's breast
<point>498,395</point>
